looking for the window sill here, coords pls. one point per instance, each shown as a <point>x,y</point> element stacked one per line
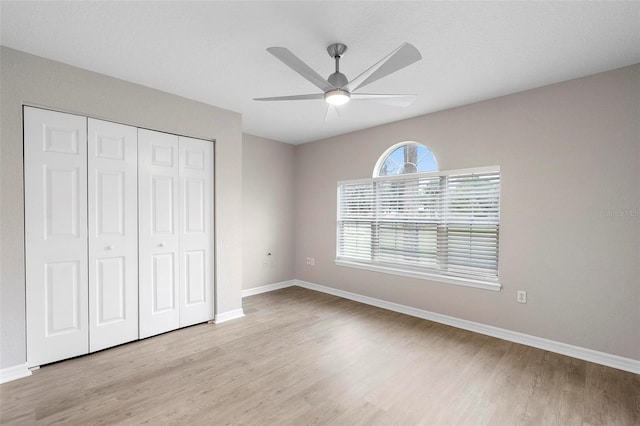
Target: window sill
<point>421,275</point>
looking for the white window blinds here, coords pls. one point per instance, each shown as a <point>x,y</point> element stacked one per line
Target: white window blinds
<point>442,223</point>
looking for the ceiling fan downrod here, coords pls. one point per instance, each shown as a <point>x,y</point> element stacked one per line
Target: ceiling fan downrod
<point>337,79</point>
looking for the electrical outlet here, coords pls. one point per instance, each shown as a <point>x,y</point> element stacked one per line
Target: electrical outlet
<point>522,296</point>
<point>313,261</point>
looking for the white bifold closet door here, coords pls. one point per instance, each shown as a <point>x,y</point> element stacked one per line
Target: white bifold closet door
<point>196,231</point>
<point>175,198</point>
<point>55,179</point>
<point>80,234</point>
<point>113,234</point>
<point>159,241</point>
<point>118,233</point>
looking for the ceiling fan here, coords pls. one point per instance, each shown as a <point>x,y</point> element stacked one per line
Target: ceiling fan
<point>337,90</point>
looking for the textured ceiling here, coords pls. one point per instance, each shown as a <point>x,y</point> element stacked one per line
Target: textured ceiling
<point>214,52</point>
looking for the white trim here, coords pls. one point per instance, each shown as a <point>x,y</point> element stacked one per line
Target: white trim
<point>269,287</point>
<point>421,275</point>
<point>229,315</point>
<point>603,358</point>
<point>14,373</point>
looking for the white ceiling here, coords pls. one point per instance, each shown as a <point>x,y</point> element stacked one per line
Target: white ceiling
<point>214,52</point>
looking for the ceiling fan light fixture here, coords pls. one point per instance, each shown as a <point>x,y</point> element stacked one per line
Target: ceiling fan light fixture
<point>337,97</point>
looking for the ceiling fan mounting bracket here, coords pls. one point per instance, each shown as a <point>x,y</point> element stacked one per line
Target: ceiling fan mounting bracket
<point>336,50</point>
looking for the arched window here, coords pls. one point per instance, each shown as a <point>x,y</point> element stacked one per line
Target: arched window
<point>413,220</point>
<point>405,157</point>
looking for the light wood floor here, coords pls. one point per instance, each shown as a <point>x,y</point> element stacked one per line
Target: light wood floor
<point>301,357</point>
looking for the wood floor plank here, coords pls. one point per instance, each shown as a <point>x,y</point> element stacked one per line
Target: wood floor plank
<point>300,357</point>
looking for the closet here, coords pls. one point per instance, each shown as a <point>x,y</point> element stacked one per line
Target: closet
<point>118,233</point>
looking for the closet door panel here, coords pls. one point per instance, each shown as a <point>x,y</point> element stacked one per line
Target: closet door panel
<point>55,178</point>
<point>158,195</point>
<point>113,234</point>
<point>196,231</point>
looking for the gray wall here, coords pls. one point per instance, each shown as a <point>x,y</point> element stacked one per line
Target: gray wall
<point>267,211</point>
<point>569,156</point>
<point>27,79</point>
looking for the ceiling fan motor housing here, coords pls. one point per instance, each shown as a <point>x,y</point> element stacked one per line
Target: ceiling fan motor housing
<point>337,79</point>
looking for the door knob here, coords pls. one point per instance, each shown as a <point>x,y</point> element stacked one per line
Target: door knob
<point>161,245</point>
<point>109,247</point>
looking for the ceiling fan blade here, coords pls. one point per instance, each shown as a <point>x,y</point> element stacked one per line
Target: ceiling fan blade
<point>292,97</point>
<point>387,99</point>
<point>332,113</point>
<point>403,56</point>
<point>293,62</point>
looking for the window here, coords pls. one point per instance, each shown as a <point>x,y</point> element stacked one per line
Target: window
<point>436,225</point>
<point>405,157</point>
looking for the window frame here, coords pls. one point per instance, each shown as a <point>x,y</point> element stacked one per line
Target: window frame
<point>409,270</point>
<point>385,155</point>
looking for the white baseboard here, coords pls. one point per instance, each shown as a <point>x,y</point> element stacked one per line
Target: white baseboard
<point>269,287</point>
<point>585,354</point>
<point>14,373</point>
<point>229,315</point>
